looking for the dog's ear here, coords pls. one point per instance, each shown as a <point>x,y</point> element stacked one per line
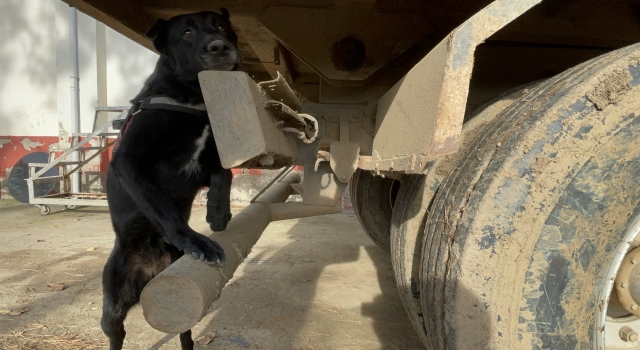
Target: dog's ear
<point>225,13</point>
<point>231,35</point>
<point>158,35</point>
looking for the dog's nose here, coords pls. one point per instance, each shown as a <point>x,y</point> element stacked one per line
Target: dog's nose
<point>218,47</point>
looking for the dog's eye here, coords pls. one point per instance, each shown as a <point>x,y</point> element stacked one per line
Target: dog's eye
<point>187,34</point>
<point>222,29</point>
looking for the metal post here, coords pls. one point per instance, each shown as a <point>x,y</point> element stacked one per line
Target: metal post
<point>75,91</point>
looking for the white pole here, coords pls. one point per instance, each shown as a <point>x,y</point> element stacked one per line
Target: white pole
<point>75,91</point>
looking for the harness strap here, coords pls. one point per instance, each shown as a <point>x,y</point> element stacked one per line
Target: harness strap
<point>159,102</point>
<point>169,104</point>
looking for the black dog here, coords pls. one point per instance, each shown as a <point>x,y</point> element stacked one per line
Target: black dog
<point>166,153</point>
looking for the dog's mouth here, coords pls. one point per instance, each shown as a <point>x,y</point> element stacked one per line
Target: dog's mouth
<point>227,63</point>
<point>223,67</point>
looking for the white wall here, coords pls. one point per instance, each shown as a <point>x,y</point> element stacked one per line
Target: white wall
<point>34,68</point>
<point>128,66</point>
<point>27,68</point>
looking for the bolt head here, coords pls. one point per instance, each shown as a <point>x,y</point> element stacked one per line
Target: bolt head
<point>624,285</point>
<point>634,307</point>
<point>634,261</point>
<point>627,334</point>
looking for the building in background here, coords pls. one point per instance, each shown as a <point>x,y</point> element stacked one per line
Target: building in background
<point>34,76</point>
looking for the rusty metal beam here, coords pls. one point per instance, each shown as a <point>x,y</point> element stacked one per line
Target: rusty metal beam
<point>425,109</point>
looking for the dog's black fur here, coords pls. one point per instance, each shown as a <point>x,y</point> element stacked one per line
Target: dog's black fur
<point>163,158</point>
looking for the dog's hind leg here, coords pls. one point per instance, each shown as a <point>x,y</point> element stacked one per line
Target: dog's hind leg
<point>112,323</point>
<point>186,342</point>
<point>116,301</point>
<point>219,199</point>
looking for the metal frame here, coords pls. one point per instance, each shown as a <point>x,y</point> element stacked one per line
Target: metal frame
<point>425,109</point>
<point>67,197</point>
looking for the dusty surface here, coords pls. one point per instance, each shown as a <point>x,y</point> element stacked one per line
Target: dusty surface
<point>315,283</point>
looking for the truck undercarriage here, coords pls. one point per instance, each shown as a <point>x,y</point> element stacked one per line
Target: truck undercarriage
<point>491,147</point>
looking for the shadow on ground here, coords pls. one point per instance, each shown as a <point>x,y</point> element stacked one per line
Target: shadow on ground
<point>315,283</point>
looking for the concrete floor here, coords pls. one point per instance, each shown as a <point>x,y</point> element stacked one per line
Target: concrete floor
<point>314,283</point>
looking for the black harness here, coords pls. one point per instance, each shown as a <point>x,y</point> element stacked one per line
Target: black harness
<point>159,102</point>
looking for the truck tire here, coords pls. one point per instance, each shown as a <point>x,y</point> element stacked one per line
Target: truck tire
<point>412,205</point>
<point>373,198</point>
<point>522,234</point>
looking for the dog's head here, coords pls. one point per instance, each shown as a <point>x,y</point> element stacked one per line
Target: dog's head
<point>196,42</point>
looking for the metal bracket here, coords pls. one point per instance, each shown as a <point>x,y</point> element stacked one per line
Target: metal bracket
<point>420,118</point>
<point>279,90</point>
<point>303,126</point>
<point>344,154</point>
<point>321,187</point>
<point>285,105</point>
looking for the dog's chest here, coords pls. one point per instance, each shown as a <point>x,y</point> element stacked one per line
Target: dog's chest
<point>193,165</point>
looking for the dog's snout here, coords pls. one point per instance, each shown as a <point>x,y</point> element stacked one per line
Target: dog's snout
<point>218,54</point>
<point>218,47</point>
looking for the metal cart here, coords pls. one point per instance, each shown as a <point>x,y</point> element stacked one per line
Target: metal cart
<point>68,167</point>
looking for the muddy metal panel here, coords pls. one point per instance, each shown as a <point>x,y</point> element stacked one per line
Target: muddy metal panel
<point>420,118</point>
<point>375,38</point>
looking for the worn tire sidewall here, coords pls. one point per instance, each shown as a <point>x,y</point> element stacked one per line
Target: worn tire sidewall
<point>414,199</point>
<point>370,198</point>
<point>493,256</point>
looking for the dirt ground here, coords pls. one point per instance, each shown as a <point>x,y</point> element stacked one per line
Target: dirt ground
<point>314,283</point>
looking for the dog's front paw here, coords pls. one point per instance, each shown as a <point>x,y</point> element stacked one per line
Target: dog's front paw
<point>203,248</point>
<point>218,221</point>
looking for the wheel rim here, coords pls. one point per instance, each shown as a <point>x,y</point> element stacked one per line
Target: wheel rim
<point>616,326</point>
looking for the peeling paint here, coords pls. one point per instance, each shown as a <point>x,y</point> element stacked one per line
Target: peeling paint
<point>63,136</point>
<point>11,152</point>
<point>28,144</point>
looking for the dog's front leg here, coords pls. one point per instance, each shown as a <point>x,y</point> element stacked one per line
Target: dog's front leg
<point>219,199</point>
<point>162,212</point>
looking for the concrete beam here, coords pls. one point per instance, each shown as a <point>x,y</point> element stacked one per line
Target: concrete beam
<point>179,297</point>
